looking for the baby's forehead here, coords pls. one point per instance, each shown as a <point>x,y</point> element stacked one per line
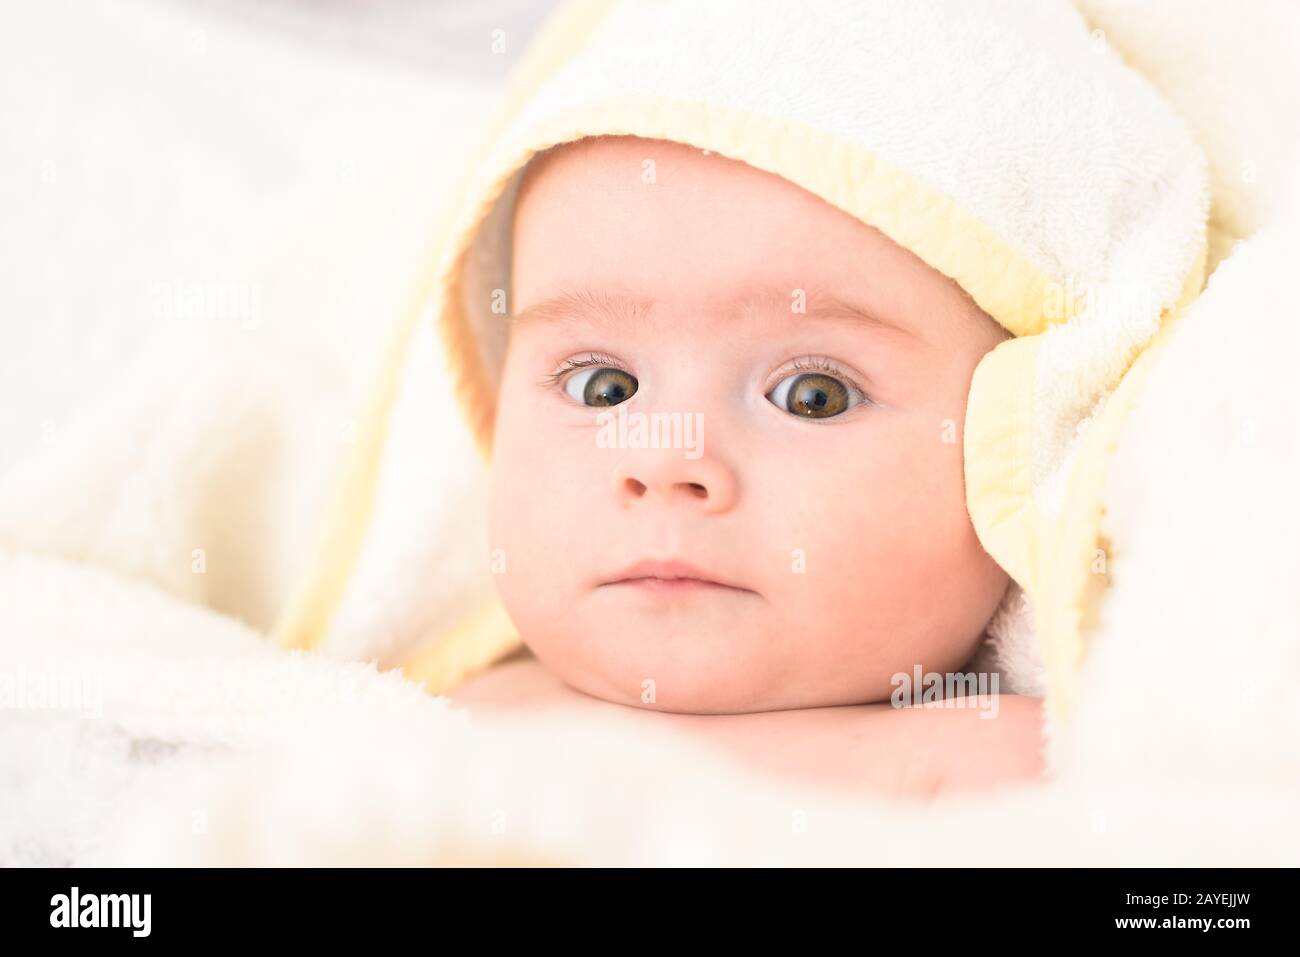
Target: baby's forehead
<point>618,228</point>
<point>587,152</point>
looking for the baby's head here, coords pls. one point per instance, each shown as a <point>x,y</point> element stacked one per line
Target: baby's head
<point>819,372</point>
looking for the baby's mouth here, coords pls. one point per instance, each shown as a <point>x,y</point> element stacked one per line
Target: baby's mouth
<point>672,577</point>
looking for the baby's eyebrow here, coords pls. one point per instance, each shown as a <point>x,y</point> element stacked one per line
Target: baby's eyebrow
<point>818,303</point>
<point>590,304</point>
<point>606,306</point>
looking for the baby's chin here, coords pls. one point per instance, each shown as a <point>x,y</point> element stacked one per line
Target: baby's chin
<point>701,663</point>
<point>700,684</point>
<point>676,691</point>
<point>717,659</point>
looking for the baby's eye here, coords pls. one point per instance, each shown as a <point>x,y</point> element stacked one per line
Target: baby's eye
<point>601,386</point>
<point>813,395</point>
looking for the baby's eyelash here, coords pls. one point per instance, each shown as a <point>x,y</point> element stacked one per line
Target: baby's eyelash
<point>804,364</point>
<point>821,364</point>
<point>590,359</point>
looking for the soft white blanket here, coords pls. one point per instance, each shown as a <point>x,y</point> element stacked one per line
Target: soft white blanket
<point>164,464</point>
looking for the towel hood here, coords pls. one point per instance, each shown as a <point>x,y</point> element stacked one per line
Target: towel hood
<point>998,140</point>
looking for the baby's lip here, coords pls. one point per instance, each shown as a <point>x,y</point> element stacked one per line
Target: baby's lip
<point>671,569</point>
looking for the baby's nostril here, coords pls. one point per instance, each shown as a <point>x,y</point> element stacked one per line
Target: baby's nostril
<point>699,490</point>
<point>635,487</point>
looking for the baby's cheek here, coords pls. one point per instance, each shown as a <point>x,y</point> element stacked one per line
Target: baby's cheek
<point>529,521</point>
<point>549,516</point>
<point>881,543</point>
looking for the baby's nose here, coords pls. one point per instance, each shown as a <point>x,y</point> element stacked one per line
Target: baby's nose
<point>669,477</point>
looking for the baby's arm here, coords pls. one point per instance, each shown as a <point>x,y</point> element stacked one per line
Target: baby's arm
<point>901,753</point>
<point>968,749</point>
<point>905,753</point>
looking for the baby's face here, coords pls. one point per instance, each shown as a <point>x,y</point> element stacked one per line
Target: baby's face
<point>819,374</point>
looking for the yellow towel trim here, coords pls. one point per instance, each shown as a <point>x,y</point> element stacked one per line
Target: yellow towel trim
<point>480,641</point>
<point>1075,575</point>
<point>996,457</point>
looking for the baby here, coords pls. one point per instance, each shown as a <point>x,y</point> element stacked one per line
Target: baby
<point>762,584</point>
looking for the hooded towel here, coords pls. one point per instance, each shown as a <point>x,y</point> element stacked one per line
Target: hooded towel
<point>1001,141</point>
